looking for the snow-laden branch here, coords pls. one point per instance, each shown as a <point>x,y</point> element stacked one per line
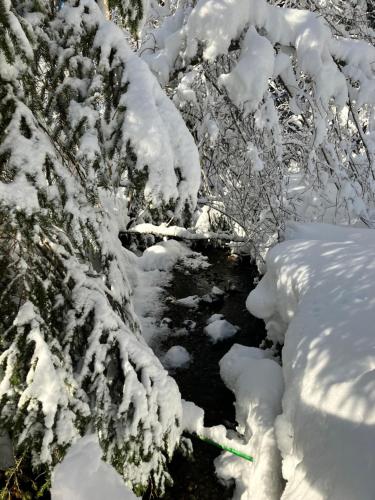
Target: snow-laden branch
<point>216,23</point>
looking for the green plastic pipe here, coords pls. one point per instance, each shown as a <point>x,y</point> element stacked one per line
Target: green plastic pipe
<point>226,448</point>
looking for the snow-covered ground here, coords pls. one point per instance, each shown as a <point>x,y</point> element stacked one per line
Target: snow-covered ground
<point>318,298</point>
<point>151,272</point>
<point>83,475</point>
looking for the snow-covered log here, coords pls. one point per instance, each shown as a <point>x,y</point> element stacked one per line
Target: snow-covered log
<point>182,233</point>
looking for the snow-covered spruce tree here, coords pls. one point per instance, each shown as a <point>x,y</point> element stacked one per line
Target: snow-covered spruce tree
<point>80,115</point>
<point>106,96</point>
<point>319,82</point>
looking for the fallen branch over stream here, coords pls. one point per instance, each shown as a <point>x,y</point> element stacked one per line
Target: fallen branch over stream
<point>181,232</point>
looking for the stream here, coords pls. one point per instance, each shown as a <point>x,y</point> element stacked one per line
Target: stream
<point>194,478</point>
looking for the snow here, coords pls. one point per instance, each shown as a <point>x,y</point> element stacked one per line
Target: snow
<point>46,383</point>
<point>191,302</point>
<point>83,475</point>
<point>20,194</point>
<point>150,273</point>
<point>192,417</point>
<point>257,384</point>
<point>65,378</point>
<point>256,381</point>
<point>159,135</point>
<point>200,233</point>
<point>214,317</point>
<point>220,329</point>
<point>248,86</point>
<point>176,357</point>
<point>216,23</point>
<point>253,155</point>
<point>17,43</point>
<point>317,297</point>
<point>164,255</point>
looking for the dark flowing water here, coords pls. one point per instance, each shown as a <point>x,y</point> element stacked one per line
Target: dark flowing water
<point>201,382</point>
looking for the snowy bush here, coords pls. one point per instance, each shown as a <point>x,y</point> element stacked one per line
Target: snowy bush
<point>281,103</point>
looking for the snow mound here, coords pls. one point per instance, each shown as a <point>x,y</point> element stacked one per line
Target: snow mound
<point>163,256</point>
<point>192,417</point>
<point>257,384</point>
<point>176,357</point>
<point>318,297</point>
<point>192,301</point>
<point>220,329</point>
<point>82,475</point>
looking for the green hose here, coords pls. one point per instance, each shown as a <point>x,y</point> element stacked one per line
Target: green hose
<point>226,448</point>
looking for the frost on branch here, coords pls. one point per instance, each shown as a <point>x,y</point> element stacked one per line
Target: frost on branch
<point>293,87</point>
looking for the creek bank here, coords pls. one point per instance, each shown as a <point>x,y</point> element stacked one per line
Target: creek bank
<point>201,382</point>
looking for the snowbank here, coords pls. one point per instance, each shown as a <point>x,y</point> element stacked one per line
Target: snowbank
<point>164,255</point>
<point>82,475</point>
<point>318,297</point>
<point>150,273</point>
<point>257,384</point>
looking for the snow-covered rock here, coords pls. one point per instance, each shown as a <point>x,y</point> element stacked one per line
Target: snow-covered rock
<point>189,324</point>
<point>214,317</point>
<point>192,301</point>
<point>176,357</point>
<point>163,255</point>
<point>220,329</point>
